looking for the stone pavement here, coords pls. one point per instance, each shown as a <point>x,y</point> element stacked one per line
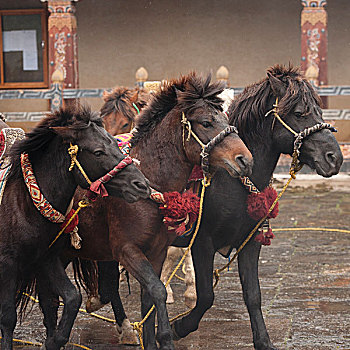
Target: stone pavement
<point>304,277</point>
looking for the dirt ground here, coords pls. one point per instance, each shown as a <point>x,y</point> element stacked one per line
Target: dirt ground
<point>304,278</point>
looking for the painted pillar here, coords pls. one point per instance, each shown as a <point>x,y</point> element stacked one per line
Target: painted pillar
<point>314,40</point>
<point>63,46</point>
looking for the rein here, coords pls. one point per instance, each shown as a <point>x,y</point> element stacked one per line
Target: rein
<point>206,148</point>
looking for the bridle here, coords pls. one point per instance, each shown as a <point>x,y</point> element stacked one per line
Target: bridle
<point>206,148</point>
<point>97,186</point>
<point>299,136</point>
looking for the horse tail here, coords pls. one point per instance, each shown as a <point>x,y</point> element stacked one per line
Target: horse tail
<point>86,275</point>
<point>25,292</point>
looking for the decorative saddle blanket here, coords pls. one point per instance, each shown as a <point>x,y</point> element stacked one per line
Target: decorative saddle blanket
<point>8,136</point>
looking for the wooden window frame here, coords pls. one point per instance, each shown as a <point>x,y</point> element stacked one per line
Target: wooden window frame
<point>20,85</point>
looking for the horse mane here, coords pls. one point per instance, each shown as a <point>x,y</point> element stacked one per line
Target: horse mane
<point>36,141</point>
<point>186,93</point>
<point>119,100</point>
<point>247,111</point>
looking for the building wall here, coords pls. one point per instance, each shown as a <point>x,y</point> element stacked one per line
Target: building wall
<point>170,37</point>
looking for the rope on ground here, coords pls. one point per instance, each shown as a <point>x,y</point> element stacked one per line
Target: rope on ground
<point>27,342</point>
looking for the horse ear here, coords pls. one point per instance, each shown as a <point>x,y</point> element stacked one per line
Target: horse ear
<point>65,132</point>
<point>134,97</point>
<point>277,85</point>
<point>105,95</point>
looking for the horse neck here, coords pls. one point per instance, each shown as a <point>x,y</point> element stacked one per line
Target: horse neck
<point>162,156</point>
<point>265,158</point>
<point>56,183</point>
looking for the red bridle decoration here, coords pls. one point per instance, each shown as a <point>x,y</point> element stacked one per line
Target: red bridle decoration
<point>97,187</point>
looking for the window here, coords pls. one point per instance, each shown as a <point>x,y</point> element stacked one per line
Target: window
<point>23,49</point>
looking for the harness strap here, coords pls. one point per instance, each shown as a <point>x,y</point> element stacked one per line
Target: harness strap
<point>206,148</point>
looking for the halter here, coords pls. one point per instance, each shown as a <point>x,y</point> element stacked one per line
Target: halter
<point>206,148</point>
<point>296,165</point>
<point>97,186</point>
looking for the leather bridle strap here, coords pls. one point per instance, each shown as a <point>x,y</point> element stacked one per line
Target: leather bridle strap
<point>299,136</point>
<point>96,188</point>
<point>206,148</point>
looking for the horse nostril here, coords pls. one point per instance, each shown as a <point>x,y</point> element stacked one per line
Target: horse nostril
<point>244,163</point>
<point>331,157</point>
<point>139,185</point>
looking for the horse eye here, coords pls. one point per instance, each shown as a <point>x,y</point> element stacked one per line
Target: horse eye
<point>98,153</point>
<point>298,114</point>
<point>206,124</point>
<point>125,125</point>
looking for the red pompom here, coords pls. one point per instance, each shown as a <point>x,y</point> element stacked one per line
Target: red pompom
<point>73,223</point>
<point>265,238</point>
<point>271,196</point>
<point>257,205</point>
<point>180,210</point>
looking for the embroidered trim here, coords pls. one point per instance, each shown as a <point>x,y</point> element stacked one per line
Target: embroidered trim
<point>40,202</point>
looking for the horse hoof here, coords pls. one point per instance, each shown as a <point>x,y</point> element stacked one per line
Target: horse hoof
<point>128,336</point>
<point>175,336</point>
<point>93,304</point>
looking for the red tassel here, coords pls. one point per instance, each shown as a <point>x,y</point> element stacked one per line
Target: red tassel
<point>179,210</point>
<point>271,196</point>
<point>72,224</point>
<point>98,188</point>
<point>257,205</point>
<point>265,237</point>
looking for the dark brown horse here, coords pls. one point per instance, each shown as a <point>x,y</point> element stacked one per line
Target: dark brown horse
<point>225,221</point>
<point>25,233</point>
<point>121,107</point>
<point>133,234</point>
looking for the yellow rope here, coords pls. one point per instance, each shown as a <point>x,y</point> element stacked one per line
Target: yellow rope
<point>311,229</point>
<point>81,310</point>
<point>27,342</point>
<point>138,325</point>
<point>82,204</point>
<point>73,152</point>
<point>218,271</point>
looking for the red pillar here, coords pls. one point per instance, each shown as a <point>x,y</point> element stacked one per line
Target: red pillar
<point>314,40</point>
<point>63,48</point>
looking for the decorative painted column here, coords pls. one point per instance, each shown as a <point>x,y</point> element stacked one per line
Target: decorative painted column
<point>314,40</point>
<point>63,46</point>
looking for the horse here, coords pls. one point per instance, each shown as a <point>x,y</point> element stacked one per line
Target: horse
<point>226,223</point>
<point>118,112</point>
<point>38,192</point>
<point>134,234</point>
<point>121,107</point>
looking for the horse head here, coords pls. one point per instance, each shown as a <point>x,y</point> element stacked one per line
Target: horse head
<point>298,105</point>
<point>96,151</point>
<point>120,109</point>
<point>282,113</point>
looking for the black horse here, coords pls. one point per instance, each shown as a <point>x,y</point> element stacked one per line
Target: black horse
<point>25,234</point>
<point>225,222</point>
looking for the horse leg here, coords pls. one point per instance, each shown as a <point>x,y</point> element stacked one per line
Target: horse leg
<point>98,298</point>
<point>108,289</point>
<point>203,261</point>
<point>153,292</point>
<point>8,315</point>
<point>190,280</point>
<point>168,266</point>
<point>56,278</point>
<point>248,273</point>
<point>49,304</point>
